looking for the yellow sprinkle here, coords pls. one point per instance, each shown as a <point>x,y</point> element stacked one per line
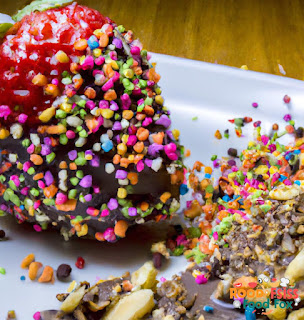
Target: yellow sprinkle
<point>125,138</point>
<point>128,73</point>
<point>82,58</point>
<point>165,196</point>
<point>176,134</point>
<point>107,113</point>
<point>97,53</point>
<point>47,114</point>
<point>261,169</point>
<point>273,169</point>
<point>131,157</point>
<point>72,286</point>
<point>251,144</point>
<point>121,149</point>
<point>159,99</point>
<point>31,211</point>
<point>114,65</point>
<point>4,133</point>
<point>19,166</point>
<point>121,193</point>
<point>62,57</point>
<point>83,231</point>
<point>244,67</point>
<point>98,33</point>
<point>67,107</point>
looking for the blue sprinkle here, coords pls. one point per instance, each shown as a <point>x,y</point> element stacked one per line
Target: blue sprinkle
<point>288,156</point>
<point>249,314</point>
<point>107,146</point>
<point>282,178</point>
<point>183,189</point>
<point>208,309</point>
<point>93,43</point>
<point>22,278</point>
<point>226,198</point>
<point>207,175</point>
<point>298,182</point>
<point>297,152</point>
<point>22,207</point>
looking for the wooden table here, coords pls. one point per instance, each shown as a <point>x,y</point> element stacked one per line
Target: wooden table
<point>265,35</point>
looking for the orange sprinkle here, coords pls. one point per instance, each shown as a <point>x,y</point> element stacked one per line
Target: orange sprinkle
<point>74,67</point>
<point>218,135</point>
<point>208,170</point>
<point>90,93</point>
<point>110,95</point>
<point>38,176</point>
<point>198,166</point>
<point>158,137</point>
<point>47,274</point>
<point>108,70</point>
<point>148,110</point>
<point>59,129</point>
<point>144,206</point>
<point>99,236</point>
<point>165,197</point>
<point>73,166</point>
<point>137,70</point>
<point>81,44</point>
<point>124,162</point>
<point>63,165</point>
<point>153,76</point>
<point>139,147</point>
<point>289,128</point>
<point>116,159</point>
<point>36,159</point>
<point>187,153</point>
<point>70,205</point>
<point>142,134</point>
<point>103,40</point>
<point>120,228</point>
<point>133,177</point>
<point>50,191</point>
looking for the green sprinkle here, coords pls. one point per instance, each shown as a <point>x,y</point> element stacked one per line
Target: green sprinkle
<point>158,90</point>
<point>34,192</point>
<point>74,181</point>
<point>121,28</point>
<point>81,103</point>
<point>50,157</point>
<point>209,188</point>
<point>158,206</point>
<point>72,194</point>
<point>49,202</point>
<point>83,113</point>
<point>15,200</point>
<point>2,271</point>
<point>144,53</point>
<point>26,143</point>
<point>195,118</point>
<point>79,174</point>
<point>11,183</point>
<point>194,232</point>
<point>66,81</point>
<point>265,207</point>
<point>214,157</point>
<point>31,171</point>
<point>130,62</point>
<point>178,251</point>
<point>239,122</point>
<point>63,139</point>
<point>60,114</point>
<point>117,116</point>
<point>142,84</point>
<point>148,101</point>
<point>81,198</point>
<point>83,134</point>
<point>140,108</point>
<point>292,122</point>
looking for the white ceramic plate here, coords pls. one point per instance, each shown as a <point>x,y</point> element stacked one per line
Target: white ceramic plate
<point>210,92</point>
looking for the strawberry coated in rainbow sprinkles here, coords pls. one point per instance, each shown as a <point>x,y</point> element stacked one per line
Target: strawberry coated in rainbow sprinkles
<point>85,135</point>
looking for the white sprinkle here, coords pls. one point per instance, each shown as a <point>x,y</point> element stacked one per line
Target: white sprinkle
<point>13,157</point>
<point>96,147</point>
<point>35,139</point>
<point>156,164</point>
<point>74,121</point>
<point>104,137</point>
<point>123,182</point>
<point>16,131</point>
<point>125,123</point>
<point>110,134</point>
<point>109,167</point>
<point>107,123</point>
<point>80,142</point>
<point>21,93</point>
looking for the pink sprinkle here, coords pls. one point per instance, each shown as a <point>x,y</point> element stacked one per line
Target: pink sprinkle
<point>108,85</point>
<point>61,198</point>
<point>135,51</point>
<point>162,279</point>
<point>37,316</point>
<point>70,134</point>
<point>5,111</point>
<point>126,101</point>
<point>272,147</point>
<point>255,104</point>
<point>109,235</point>
<point>287,182</point>
<point>22,118</point>
<point>24,191</point>
<point>264,139</point>
<point>147,121</point>
<point>105,212</point>
<point>88,63</point>
<point>200,279</point>
<point>37,228</point>
<point>91,211</point>
<point>215,236</point>
<point>140,166</point>
<point>99,61</point>
<point>37,204</point>
<point>55,82</point>
<point>31,149</point>
<point>41,184</point>
<point>26,166</point>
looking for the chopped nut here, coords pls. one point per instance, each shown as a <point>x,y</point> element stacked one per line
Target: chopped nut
<point>27,261</point>
<point>145,277</point>
<point>97,307</point>
<point>285,192</point>
<point>133,306</point>
<point>295,270</point>
<point>161,248</point>
<point>73,300</point>
<point>47,274</point>
<point>296,315</point>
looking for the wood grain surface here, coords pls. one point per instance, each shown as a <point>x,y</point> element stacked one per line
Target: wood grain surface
<point>265,35</point>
